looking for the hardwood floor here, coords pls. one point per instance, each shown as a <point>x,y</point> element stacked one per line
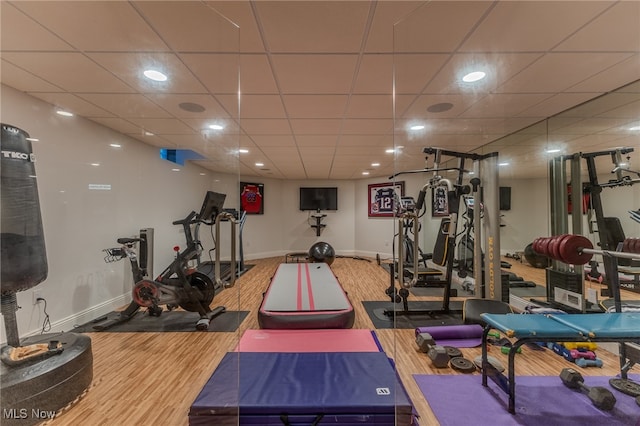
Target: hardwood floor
<point>153,378</point>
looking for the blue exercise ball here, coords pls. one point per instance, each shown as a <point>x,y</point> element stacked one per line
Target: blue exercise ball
<point>322,252</point>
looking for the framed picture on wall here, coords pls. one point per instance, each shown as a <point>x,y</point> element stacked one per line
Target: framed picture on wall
<point>252,197</point>
<point>439,202</point>
<point>384,198</point>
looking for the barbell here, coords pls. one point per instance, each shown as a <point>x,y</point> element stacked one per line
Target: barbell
<point>578,250</point>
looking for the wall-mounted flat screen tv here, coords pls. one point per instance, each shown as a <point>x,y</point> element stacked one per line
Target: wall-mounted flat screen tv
<point>319,198</point>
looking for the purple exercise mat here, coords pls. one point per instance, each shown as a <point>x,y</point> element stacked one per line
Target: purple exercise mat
<point>460,336</point>
<point>540,400</point>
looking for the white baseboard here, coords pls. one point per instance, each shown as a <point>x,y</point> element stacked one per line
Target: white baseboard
<point>83,317</point>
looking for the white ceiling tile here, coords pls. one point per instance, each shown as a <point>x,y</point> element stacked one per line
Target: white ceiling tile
<point>256,76</point>
<point>370,106</point>
<point>617,29</point>
<point>240,13</point>
<point>163,126</point>
<point>522,26</point>
<point>314,74</point>
<point>24,81</point>
<point>437,26</point>
<point>555,104</point>
<point>255,106</point>
<point>189,26</point>
<point>326,126</point>
<point>126,105</point>
<point>95,25</point>
<point>387,13</point>
<point>21,32</point>
<point>313,26</point>
<point>503,105</point>
<point>70,71</point>
<point>610,78</point>
<point>556,72</point>
<point>367,126</point>
<point>219,73</point>
<point>260,126</point>
<point>324,141</point>
<point>274,141</point>
<point>119,124</point>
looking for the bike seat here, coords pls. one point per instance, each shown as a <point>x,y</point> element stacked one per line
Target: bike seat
<point>128,240</point>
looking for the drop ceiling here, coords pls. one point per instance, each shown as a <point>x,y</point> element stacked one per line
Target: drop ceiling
<point>316,79</point>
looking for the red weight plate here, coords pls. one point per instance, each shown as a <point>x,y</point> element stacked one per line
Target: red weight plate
<point>570,250</point>
<point>553,247</point>
<point>557,251</point>
<point>534,244</point>
<point>544,246</point>
<point>634,246</point>
<point>626,245</point>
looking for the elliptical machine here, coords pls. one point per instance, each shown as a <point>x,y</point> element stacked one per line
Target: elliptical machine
<point>179,284</point>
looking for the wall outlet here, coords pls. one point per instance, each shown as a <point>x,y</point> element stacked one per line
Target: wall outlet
<point>36,295</point>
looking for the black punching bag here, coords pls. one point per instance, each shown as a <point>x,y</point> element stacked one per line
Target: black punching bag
<point>24,257</point>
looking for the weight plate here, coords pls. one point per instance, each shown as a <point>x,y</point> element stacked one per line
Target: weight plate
<point>636,246</point>
<point>552,247</point>
<point>536,244</point>
<point>462,364</point>
<point>570,250</point>
<point>492,360</point>
<point>627,244</point>
<point>638,400</point>
<point>453,352</point>
<point>626,386</point>
<point>544,246</point>
<point>557,252</point>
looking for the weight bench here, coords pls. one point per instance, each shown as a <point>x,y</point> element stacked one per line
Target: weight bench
<point>526,328</point>
<point>305,296</point>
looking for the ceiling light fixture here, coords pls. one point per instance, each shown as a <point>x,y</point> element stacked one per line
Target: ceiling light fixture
<point>115,145</point>
<point>417,127</point>
<point>64,113</point>
<point>553,150</point>
<point>375,164</point>
<point>95,164</point>
<point>148,134</point>
<point>243,151</point>
<point>365,173</point>
<point>390,151</point>
<point>474,76</point>
<point>216,127</point>
<point>155,75</point>
<point>503,164</point>
<point>259,164</point>
<point>634,128</point>
<point>175,170</point>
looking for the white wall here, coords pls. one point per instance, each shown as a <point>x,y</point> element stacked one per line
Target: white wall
<point>78,222</point>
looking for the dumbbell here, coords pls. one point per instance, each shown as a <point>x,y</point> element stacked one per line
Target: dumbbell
<point>590,346</point>
<point>583,362</point>
<point>438,354</point>
<point>600,396</point>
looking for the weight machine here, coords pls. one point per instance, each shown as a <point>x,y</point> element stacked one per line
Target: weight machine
<point>565,282</point>
<point>485,190</point>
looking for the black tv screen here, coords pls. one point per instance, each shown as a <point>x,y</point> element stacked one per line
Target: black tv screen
<point>318,198</point>
<point>505,198</point>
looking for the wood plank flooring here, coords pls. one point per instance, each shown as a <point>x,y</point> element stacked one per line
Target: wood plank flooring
<point>153,378</point>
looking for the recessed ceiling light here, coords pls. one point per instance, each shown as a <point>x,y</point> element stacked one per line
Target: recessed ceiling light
<point>243,151</point>
<point>148,134</point>
<point>474,76</point>
<point>365,173</point>
<point>216,127</point>
<point>390,151</point>
<point>259,164</point>
<point>175,170</point>
<point>203,174</point>
<point>95,164</point>
<point>417,127</point>
<point>32,139</point>
<point>155,75</point>
<point>64,113</point>
<point>552,151</point>
<point>634,128</point>
<point>503,164</point>
<point>115,145</point>
<point>375,164</point>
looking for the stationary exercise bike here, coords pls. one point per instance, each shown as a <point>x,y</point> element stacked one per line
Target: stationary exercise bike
<point>179,284</point>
